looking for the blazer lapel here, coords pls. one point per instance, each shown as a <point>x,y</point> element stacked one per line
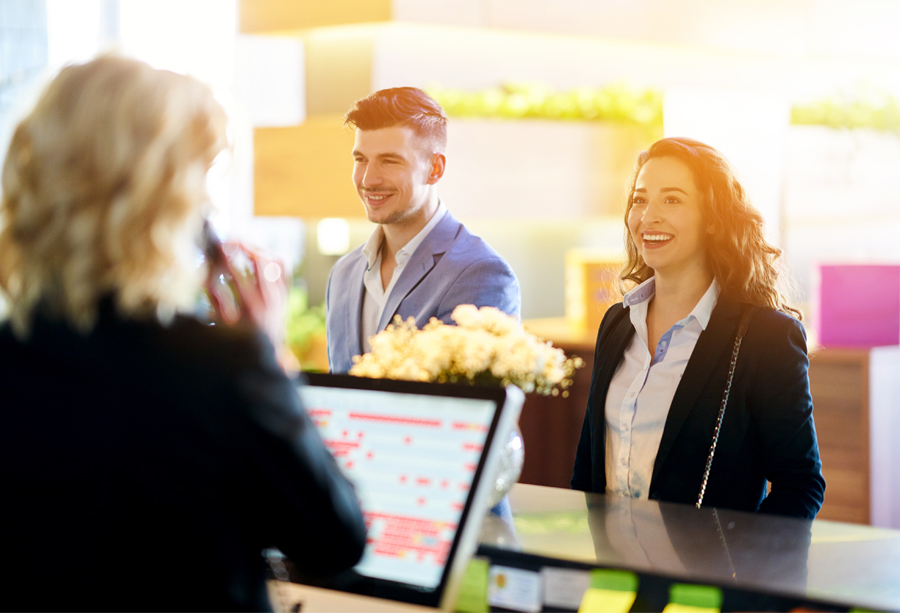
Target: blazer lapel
<point>426,255</point>
<point>620,335</point>
<point>353,304</point>
<point>712,346</point>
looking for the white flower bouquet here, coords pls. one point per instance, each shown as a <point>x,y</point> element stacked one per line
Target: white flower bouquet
<point>487,346</point>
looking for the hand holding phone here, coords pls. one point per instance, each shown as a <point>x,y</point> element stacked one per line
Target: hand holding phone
<point>221,284</point>
<point>247,285</point>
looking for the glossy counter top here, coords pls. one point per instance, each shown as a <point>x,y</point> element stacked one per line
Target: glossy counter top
<point>822,560</point>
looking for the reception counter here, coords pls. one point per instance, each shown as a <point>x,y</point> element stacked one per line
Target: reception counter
<point>760,562</point>
<point>757,562</point>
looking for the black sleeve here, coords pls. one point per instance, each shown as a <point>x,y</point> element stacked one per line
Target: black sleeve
<point>311,509</point>
<point>581,474</point>
<point>783,404</point>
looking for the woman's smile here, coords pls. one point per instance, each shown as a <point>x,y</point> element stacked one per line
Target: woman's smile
<point>666,218</point>
<point>655,240</point>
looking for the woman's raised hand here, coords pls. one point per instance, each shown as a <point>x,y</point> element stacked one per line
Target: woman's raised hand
<point>259,289</point>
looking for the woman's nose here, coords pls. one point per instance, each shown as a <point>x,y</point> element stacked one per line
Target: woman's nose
<point>651,213</point>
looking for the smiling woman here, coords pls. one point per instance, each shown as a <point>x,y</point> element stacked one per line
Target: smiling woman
<point>667,224</point>
<point>701,281</point>
<point>737,252</point>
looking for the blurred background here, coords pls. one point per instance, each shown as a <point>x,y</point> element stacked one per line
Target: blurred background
<point>549,105</point>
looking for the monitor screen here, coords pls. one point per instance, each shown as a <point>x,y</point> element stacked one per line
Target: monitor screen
<point>414,451</point>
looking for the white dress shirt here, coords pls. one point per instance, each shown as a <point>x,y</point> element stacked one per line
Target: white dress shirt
<point>642,388</point>
<point>376,295</point>
<point>637,531</point>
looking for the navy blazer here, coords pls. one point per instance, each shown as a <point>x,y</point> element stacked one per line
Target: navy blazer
<point>450,267</point>
<point>767,433</point>
<point>146,467</point>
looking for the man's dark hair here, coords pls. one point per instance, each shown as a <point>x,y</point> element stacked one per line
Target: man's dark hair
<point>401,106</point>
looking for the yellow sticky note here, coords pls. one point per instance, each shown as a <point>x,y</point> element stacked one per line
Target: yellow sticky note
<point>472,597</point>
<point>598,600</point>
<point>674,607</point>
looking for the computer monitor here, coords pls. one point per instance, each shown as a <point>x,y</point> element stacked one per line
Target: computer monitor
<point>422,457</point>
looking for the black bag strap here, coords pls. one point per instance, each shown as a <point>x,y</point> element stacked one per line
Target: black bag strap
<point>742,330</point>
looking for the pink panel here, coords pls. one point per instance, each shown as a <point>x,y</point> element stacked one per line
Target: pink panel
<point>859,305</point>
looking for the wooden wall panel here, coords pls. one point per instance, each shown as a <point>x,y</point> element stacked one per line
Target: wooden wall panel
<point>305,170</point>
<point>839,381</point>
<point>259,16</point>
<point>338,68</point>
<point>551,426</point>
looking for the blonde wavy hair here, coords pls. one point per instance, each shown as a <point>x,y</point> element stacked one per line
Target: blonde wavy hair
<point>739,256</point>
<point>103,187</point>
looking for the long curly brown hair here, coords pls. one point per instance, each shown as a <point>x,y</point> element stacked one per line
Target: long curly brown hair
<point>739,256</point>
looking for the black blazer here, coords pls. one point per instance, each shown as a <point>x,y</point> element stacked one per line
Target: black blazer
<point>767,433</point>
<point>145,467</point>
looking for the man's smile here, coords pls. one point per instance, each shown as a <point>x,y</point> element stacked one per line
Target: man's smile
<point>376,198</point>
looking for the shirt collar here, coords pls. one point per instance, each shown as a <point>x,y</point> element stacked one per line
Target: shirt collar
<point>372,248</point>
<point>701,312</point>
<point>643,292</point>
<point>406,251</point>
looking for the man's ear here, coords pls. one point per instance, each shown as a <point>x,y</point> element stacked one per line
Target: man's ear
<point>438,163</point>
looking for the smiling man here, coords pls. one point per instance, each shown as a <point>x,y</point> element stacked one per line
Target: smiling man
<point>420,261</point>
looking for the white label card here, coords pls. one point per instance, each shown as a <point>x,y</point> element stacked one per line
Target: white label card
<point>564,587</point>
<point>514,588</point>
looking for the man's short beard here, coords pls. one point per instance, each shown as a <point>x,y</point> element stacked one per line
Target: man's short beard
<point>395,217</point>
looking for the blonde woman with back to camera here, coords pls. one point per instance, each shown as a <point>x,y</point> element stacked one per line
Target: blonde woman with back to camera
<point>146,458</point>
<point>700,388</point>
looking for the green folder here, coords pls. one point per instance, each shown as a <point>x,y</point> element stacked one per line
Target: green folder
<point>686,598</point>
<point>472,596</point>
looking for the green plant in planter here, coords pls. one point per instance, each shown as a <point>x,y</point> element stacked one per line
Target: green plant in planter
<point>615,102</point>
<point>306,330</point>
<point>873,110</point>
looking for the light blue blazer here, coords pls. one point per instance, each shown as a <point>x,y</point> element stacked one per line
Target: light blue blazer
<point>450,267</point>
